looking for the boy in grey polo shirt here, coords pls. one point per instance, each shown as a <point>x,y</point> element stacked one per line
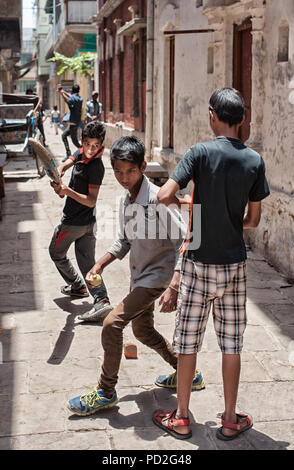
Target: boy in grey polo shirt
<point>153,235</point>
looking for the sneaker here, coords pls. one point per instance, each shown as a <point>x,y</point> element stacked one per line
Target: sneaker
<point>99,311</point>
<point>91,402</point>
<point>170,381</point>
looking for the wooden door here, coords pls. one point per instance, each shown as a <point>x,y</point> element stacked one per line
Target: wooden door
<point>242,80</point>
<point>171,90</point>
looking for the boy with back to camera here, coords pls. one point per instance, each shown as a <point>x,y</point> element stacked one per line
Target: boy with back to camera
<point>78,221</point>
<point>227,176</point>
<point>154,265</point>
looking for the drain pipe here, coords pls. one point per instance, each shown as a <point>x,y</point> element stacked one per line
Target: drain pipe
<point>149,79</point>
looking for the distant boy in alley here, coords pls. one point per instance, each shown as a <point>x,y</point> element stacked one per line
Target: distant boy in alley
<point>78,223</point>
<point>145,232</point>
<point>227,176</point>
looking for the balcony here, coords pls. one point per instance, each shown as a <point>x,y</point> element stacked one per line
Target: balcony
<point>80,12</point>
<point>72,26</point>
<point>73,11</point>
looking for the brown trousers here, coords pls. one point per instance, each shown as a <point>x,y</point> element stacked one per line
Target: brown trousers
<point>137,307</point>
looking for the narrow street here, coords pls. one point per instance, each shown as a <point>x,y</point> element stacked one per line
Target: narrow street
<point>49,356</point>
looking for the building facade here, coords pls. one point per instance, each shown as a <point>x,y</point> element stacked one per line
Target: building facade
<point>43,67</point>
<point>27,67</point>
<point>70,33</point>
<point>122,46</point>
<point>10,43</point>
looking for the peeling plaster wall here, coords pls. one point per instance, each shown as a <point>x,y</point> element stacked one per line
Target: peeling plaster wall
<point>192,91</point>
<point>275,235</point>
<point>192,87</point>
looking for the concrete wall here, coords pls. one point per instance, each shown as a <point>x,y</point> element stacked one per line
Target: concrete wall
<point>275,237</point>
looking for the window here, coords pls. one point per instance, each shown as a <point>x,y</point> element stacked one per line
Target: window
<point>283,52</point>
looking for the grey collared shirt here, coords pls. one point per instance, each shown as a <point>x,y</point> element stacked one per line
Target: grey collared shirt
<point>152,234</point>
<point>93,108</point>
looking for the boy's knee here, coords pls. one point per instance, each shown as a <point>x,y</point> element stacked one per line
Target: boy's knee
<point>145,336</point>
<point>54,255</point>
<point>51,252</point>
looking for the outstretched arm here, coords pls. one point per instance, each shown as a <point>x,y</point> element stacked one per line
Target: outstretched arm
<point>167,194</point>
<point>63,93</point>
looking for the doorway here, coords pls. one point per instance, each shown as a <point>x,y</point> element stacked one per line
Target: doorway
<point>171,90</point>
<point>242,71</point>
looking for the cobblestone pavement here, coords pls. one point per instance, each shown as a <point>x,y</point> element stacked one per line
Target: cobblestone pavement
<point>48,355</point>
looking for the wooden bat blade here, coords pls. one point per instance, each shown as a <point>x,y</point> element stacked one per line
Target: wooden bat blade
<point>47,159</point>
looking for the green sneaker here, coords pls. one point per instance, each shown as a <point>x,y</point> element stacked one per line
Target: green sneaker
<point>91,402</point>
<point>170,381</point>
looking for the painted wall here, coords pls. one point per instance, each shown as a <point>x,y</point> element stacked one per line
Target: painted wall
<point>192,86</point>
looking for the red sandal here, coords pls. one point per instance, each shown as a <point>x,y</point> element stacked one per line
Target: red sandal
<point>244,422</point>
<point>166,420</point>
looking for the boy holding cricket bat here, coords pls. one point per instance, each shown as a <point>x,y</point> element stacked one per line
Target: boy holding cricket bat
<point>78,220</point>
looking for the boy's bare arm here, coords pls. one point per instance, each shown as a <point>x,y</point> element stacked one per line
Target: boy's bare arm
<point>88,200</point>
<point>65,166</point>
<point>168,300</point>
<point>100,265</point>
<point>166,194</point>
<point>252,217</point>
<point>63,93</point>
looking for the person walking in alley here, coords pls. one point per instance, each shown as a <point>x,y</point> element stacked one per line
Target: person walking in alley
<point>40,115</point>
<point>227,176</point>
<point>93,108</point>
<point>55,118</point>
<point>78,220</point>
<point>74,102</point>
<point>155,265</point>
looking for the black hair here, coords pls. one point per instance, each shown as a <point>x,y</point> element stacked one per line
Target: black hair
<point>29,91</point>
<point>94,130</point>
<point>75,88</point>
<point>228,104</point>
<point>128,149</point>
<point>55,107</point>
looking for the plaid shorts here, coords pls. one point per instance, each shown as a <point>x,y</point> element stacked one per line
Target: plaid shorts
<point>223,286</point>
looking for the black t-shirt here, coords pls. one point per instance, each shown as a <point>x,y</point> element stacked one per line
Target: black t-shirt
<point>226,174</point>
<point>85,173</point>
<point>75,103</point>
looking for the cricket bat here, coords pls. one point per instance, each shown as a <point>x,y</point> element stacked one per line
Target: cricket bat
<point>47,159</point>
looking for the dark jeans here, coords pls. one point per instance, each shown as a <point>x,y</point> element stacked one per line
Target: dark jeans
<point>72,131</point>
<point>137,307</point>
<point>84,240</point>
<point>41,129</point>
